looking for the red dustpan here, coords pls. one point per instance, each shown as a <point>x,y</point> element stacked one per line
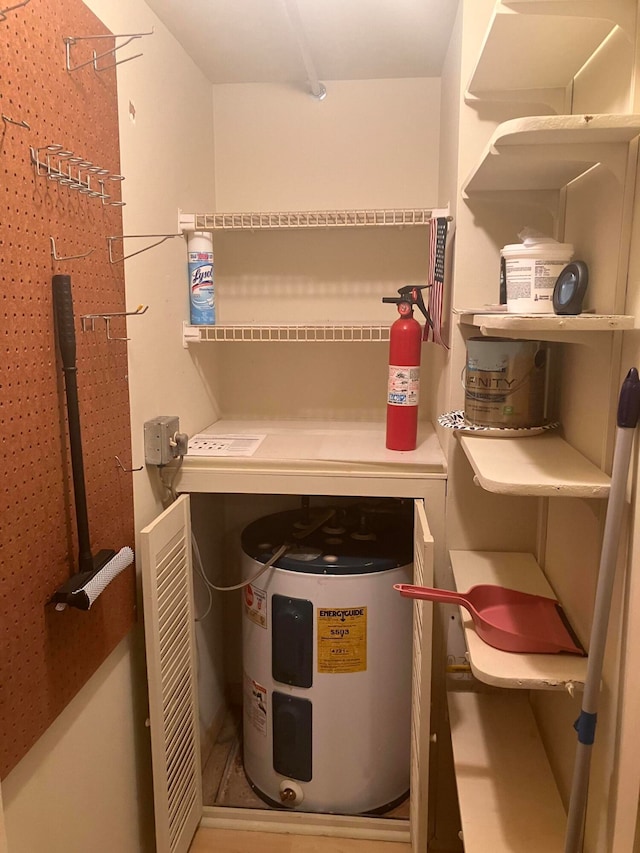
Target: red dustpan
<point>507,619</point>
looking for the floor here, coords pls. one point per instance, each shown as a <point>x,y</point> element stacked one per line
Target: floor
<point>232,841</point>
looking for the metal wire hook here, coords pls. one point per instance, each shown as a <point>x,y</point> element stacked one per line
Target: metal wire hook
<point>110,240</point>
<point>8,120</point>
<point>71,40</point>
<point>127,470</point>
<point>3,12</point>
<point>141,309</point>
<point>56,257</point>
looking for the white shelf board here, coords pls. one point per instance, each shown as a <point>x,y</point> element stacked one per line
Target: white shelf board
<point>320,332</point>
<point>556,327</point>
<point>255,221</point>
<point>541,52</point>
<point>547,152</point>
<point>507,669</point>
<point>324,450</point>
<point>509,802</point>
<point>540,465</point>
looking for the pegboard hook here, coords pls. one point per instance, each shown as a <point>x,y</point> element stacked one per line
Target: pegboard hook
<point>127,470</point>
<point>56,257</point>
<point>110,240</point>
<point>8,120</point>
<point>105,195</point>
<point>141,309</point>
<point>71,40</point>
<point>3,12</point>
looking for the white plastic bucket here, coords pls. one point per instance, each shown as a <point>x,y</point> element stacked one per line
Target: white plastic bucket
<point>531,273</point>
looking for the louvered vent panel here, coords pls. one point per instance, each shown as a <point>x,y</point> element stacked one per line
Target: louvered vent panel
<point>171,663</point>
<point>421,682</point>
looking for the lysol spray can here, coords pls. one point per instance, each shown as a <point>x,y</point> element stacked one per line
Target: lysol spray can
<point>201,290</point>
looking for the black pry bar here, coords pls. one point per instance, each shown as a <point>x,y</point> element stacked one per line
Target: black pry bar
<point>63,311</point>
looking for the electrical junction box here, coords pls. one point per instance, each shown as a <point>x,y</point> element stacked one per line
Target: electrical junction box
<point>159,443</point>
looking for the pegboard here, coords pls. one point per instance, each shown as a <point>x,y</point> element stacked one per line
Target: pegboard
<point>47,656</point>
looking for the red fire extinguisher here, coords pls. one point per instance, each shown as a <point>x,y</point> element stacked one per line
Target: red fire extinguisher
<point>404,368</point>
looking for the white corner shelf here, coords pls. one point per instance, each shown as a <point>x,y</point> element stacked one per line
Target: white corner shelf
<point>539,466</point>
<point>305,219</point>
<point>545,153</point>
<point>507,793</point>
<point>543,48</point>
<point>324,333</point>
<point>506,669</point>
<point>546,326</point>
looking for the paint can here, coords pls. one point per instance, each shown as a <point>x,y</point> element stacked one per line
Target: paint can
<point>505,383</point>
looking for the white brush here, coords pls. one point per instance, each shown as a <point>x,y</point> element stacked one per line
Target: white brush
<point>95,583</point>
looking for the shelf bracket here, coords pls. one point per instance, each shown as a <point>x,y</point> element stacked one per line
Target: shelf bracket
<point>190,335</point>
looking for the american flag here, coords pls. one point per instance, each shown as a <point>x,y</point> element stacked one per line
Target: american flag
<point>437,245</point>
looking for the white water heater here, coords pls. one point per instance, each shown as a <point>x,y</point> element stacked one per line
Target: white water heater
<point>327,658</point>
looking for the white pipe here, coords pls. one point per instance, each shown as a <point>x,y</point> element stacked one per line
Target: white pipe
<point>318,90</point>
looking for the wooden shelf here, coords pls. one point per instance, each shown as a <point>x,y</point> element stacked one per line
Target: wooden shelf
<point>324,333</point>
<point>331,454</point>
<point>509,802</point>
<point>543,52</point>
<point>506,669</point>
<point>543,153</point>
<point>546,326</point>
<point>541,466</point>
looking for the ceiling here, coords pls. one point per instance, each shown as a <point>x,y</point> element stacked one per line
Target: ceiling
<point>254,41</point>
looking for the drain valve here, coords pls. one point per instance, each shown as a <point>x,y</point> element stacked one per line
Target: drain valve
<point>290,793</point>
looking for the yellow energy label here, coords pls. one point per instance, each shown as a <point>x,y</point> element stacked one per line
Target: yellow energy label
<point>342,639</point>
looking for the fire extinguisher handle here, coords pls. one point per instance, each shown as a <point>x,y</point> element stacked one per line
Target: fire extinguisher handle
<point>420,304</point>
<point>411,294</point>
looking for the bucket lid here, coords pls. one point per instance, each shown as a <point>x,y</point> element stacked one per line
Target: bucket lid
<point>563,251</point>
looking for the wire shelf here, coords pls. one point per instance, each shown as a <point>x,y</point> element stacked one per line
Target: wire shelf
<point>303,219</point>
<point>318,333</point>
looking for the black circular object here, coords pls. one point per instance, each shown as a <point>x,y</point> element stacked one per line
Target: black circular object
<point>570,287</point>
<point>374,539</point>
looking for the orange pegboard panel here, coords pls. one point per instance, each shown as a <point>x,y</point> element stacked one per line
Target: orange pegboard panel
<point>47,656</point>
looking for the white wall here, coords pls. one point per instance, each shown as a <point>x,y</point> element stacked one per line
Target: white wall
<point>86,784</point>
<point>82,786</point>
<point>368,144</point>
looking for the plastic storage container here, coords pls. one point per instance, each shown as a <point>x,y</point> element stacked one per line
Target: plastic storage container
<point>531,270</point>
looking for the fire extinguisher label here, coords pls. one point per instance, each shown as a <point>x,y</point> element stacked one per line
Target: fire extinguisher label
<point>404,385</point>
<point>255,704</point>
<point>342,639</point>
